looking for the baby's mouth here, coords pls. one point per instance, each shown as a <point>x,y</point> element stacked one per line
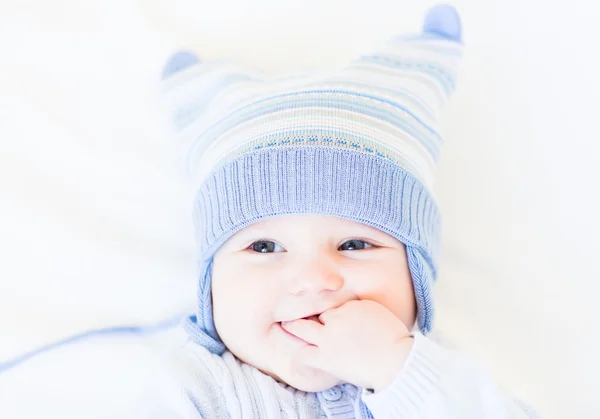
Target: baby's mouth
<point>282,325</point>
<point>314,317</point>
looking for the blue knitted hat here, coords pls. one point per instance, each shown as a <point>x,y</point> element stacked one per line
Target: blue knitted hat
<point>359,143</point>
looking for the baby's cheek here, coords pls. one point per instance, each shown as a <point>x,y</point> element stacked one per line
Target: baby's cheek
<point>392,289</point>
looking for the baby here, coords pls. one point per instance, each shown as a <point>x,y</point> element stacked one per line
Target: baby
<point>319,238</point>
<point>318,247</point>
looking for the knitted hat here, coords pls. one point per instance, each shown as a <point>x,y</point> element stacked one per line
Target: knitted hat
<point>358,143</point>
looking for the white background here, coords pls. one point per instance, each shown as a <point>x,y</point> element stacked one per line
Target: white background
<point>94,210</point>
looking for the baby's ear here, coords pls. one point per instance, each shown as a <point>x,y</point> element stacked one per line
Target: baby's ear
<point>419,68</point>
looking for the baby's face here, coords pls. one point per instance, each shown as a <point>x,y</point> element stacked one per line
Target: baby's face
<point>296,266</point>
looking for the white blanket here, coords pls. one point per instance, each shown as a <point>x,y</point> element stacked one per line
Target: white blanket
<point>111,373</point>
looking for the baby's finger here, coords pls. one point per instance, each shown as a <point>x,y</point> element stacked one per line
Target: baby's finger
<point>344,310</point>
<point>312,356</point>
<point>307,330</point>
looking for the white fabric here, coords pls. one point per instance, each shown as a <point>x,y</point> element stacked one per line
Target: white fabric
<point>119,376</point>
<point>166,375</point>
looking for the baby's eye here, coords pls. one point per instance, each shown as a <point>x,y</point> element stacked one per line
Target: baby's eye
<point>355,244</point>
<point>266,246</point>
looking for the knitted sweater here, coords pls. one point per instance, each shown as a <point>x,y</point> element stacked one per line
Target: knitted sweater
<point>435,383</point>
<point>168,376</point>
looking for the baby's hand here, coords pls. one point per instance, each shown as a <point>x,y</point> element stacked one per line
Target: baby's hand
<point>361,343</point>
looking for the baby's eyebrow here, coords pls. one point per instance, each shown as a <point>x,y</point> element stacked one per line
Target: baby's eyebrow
<point>244,236</point>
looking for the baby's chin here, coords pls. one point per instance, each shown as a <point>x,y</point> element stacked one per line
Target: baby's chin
<point>307,379</point>
<point>314,386</point>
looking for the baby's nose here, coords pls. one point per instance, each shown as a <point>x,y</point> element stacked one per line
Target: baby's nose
<point>315,278</point>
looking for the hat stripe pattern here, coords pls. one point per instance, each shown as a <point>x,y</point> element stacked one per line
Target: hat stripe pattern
<point>392,96</point>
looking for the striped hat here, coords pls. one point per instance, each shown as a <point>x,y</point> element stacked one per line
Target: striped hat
<point>359,143</point>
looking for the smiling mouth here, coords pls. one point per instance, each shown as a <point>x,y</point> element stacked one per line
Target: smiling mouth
<point>291,335</point>
<point>314,317</point>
